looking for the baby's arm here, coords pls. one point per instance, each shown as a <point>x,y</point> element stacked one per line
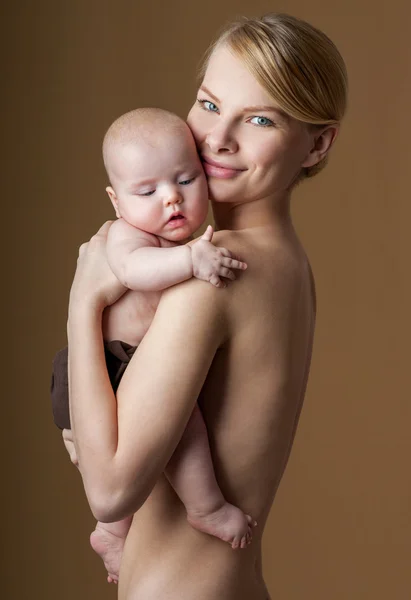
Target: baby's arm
<point>139,262</point>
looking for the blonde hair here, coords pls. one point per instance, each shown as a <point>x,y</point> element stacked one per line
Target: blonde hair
<point>296,63</point>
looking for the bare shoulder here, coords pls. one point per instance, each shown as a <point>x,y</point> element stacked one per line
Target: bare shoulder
<point>278,272</point>
<point>121,231</point>
<point>223,237</point>
<point>261,249</point>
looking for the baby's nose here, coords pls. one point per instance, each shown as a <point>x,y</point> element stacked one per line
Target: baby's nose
<point>174,197</point>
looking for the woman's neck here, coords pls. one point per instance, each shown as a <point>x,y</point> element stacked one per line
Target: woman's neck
<point>258,213</point>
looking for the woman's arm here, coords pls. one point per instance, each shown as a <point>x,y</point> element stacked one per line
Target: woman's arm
<point>124,451</point>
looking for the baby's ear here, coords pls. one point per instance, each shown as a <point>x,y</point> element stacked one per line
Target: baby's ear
<point>112,195</point>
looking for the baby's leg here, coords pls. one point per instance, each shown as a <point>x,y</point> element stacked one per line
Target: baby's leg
<point>191,473</point>
<point>108,541</point>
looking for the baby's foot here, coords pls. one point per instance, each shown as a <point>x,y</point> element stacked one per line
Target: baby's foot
<point>228,523</point>
<point>110,548</point>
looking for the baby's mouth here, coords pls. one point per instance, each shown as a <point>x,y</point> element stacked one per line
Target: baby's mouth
<point>176,217</point>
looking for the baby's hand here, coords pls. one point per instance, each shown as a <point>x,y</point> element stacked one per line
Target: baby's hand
<point>210,262</point>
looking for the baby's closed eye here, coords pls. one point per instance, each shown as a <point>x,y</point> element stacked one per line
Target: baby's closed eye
<point>186,181</point>
<point>149,193</point>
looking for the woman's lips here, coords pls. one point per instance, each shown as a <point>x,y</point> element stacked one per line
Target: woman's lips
<point>215,169</point>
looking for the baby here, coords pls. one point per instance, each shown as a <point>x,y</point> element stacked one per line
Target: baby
<point>160,196</point>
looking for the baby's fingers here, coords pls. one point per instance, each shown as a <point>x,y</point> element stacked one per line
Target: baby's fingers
<point>225,252</point>
<point>216,281</point>
<point>232,263</point>
<point>224,272</point>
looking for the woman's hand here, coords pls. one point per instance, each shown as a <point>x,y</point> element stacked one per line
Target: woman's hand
<point>94,282</point>
<point>69,444</point>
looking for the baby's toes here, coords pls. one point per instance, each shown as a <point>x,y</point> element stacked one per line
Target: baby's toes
<point>244,542</point>
<point>251,521</point>
<point>236,543</point>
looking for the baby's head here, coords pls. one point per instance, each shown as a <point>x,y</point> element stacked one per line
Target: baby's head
<point>157,180</point>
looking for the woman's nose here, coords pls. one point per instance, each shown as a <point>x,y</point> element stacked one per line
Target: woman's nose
<point>221,139</point>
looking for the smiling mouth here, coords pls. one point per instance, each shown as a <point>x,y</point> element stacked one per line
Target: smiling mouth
<point>214,169</point>
<point>219,165</point>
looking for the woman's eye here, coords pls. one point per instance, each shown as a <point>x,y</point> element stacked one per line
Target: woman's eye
<point>150,193</point>
<point>262,121</point>
<point>186,181</point>
<point>209,106</point>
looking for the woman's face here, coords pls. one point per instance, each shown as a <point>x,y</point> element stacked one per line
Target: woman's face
<point>250,149</point>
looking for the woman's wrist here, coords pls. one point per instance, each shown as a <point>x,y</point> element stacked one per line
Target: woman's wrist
<point>79,301</point>
<point>82,315</point>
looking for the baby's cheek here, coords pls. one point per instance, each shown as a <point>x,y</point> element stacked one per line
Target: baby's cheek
<point>152,216</point>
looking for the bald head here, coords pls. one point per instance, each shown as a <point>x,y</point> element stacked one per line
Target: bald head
<point>141,126</point>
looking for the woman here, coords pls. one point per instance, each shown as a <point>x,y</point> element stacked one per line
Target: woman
<point>268,109</point>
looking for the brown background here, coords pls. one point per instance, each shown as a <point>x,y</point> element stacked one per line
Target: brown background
<point>340,528</point>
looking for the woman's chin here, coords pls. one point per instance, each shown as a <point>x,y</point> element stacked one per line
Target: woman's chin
<point>218,193</point>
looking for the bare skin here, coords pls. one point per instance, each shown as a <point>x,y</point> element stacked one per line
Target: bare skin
<point>261,373</point>
<point>107,540</point>
<point>250,434</point>
<point>213,516</point>
<point>243,353</point>
<point>189,469</point>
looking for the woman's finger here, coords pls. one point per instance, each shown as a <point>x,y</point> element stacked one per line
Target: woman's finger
<point>101,234</point>
<point>105,228</point>
<point>67,434</point>
<point>69,444</point>
<point>82,248</point>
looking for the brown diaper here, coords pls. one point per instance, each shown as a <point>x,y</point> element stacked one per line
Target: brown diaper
<point>118,355</point>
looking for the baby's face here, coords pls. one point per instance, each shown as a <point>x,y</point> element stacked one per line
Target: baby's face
<point>160,186</point>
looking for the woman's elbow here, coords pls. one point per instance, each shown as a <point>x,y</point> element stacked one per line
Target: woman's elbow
<point>104,511</point>
<point>104,505</point>
<point>109,506</point>
<point>115,493</point>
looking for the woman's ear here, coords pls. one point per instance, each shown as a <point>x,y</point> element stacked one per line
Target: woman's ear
<point>114,201</point>
<point>322,142</point>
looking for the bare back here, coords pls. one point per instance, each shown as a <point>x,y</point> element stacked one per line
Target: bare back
<point>251,402</point>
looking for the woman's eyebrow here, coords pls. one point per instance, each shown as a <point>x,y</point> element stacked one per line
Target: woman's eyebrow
<point>267,108</point>
<point>207,91</point>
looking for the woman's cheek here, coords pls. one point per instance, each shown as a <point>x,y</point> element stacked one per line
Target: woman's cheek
<point>197,125</point>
